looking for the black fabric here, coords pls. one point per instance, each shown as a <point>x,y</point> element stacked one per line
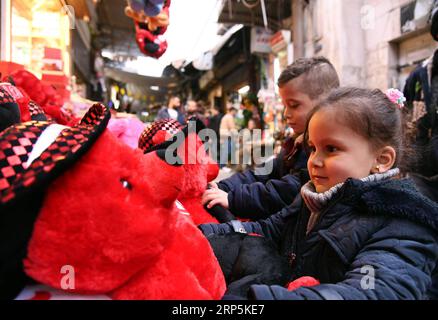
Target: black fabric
<point>434,94</point>
<point>387,225</point>
<point>221,214</point>
<point>246,260</point>
<point>16,225</point>
<point>427,186</point>
<point>434,22</point>
<point>9,115</point>
<point>9,110</point>
<point>426,145</point>
<point>417,89</point>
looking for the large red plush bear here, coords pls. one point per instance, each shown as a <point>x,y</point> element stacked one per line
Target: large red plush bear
<point>199,167</point>
<point>77,199</point>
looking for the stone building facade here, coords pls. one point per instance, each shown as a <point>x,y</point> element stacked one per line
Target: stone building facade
<point>372,43</point>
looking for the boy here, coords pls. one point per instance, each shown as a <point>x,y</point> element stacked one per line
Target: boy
<point>257,196</point>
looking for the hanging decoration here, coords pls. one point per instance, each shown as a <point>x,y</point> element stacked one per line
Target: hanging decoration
<point>151,19</point>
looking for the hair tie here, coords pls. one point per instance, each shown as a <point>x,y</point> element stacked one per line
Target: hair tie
<point>396,97</point>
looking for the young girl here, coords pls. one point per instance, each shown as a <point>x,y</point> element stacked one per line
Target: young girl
<point>357,228</point>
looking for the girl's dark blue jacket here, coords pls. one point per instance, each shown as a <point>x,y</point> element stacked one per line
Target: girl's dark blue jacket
<point>373,241</point>
<point>257,194</point>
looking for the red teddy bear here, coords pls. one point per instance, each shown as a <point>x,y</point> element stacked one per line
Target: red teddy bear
<point>85,214</point>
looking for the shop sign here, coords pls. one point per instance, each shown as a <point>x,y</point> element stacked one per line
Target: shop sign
<point>280,40</point>
<point>260,40</point>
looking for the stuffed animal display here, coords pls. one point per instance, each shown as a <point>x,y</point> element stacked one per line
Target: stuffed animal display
<point>9,109</point>
<point>16,106</point>
<point>75,198</point>
<point>42,95</point>
<point>199,168</point>
<point>248,259</point>
<point>151,18</point>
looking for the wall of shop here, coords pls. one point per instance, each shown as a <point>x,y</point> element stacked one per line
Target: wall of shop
<point>37,27</point>
<point>366,40</point>
<point>5,30</point>
<point>389,49</point>
<point>333,29</point>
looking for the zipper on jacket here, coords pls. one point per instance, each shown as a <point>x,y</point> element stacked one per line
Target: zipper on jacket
<point>293,256</point>
<point>332,204</point>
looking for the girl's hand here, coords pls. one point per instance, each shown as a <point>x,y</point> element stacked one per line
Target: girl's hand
<point>215,196</point>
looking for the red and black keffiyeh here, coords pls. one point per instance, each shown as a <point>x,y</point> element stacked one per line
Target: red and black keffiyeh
<point>17,142</point>
<point>146,142</point>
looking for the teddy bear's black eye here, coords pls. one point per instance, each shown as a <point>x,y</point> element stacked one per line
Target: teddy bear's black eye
<point>126,184</point>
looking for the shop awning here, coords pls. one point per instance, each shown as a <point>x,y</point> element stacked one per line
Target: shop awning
<point>249,13</point>
<point>157,86</point>
<point>117,31</point>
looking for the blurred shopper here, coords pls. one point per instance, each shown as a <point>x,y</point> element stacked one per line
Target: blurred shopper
<point>192,108</point>
<point>214,124</point>
<point>228,133</point>
<point>172,111</point>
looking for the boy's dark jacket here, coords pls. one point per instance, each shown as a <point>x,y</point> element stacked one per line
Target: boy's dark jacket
<point>257,196</point>
<point>387,228</point>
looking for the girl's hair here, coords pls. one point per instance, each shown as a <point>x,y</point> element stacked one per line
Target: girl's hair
<point>372,115</point>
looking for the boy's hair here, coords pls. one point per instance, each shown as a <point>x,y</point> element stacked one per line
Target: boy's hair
<point>372,115</point>
<point>319,76</point>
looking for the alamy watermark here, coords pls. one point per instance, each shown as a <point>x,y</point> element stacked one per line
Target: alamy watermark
<point>368,281</point>
<point>68,280</point>
<point>244,147</point>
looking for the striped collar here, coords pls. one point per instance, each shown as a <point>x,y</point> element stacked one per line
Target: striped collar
<point>317,201</point>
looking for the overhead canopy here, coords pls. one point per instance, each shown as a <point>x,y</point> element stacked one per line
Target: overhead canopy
<point>249,12</point>
<point>117,30</point>
<point>160,87</point>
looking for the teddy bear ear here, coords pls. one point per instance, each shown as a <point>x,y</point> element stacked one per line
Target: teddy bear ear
<point>156,134</point>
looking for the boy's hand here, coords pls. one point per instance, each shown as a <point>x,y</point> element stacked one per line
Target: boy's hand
<point>215,196</point>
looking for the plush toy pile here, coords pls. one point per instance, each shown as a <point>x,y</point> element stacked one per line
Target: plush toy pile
<point>77,198</point>
<point>16,106</point>
<point>33,90</point>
